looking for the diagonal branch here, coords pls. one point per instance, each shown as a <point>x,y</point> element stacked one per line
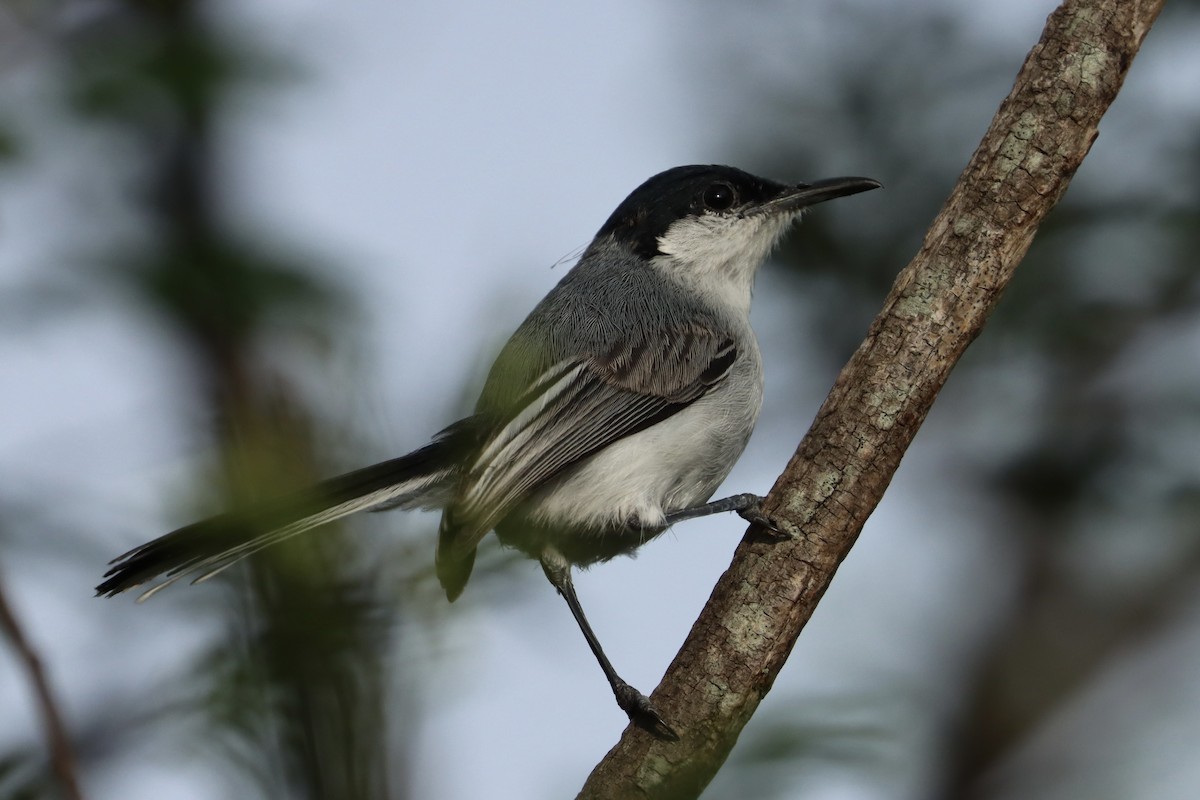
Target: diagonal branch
<point>59,742</point>
<point>938,305</point>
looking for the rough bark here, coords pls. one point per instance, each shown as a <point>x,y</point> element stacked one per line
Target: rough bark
<point>938,305</point>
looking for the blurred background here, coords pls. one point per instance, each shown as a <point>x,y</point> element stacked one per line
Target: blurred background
<point>247,244</point>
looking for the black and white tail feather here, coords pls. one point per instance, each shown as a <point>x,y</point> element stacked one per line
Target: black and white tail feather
<point>424,479</point>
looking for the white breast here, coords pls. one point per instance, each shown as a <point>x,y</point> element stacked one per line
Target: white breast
<point>675,464</point>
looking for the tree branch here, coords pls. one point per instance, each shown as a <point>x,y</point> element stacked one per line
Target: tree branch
<point>59,743</point>
<point>938,305</point>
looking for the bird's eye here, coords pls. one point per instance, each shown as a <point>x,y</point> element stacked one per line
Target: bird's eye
<point>720,197</point>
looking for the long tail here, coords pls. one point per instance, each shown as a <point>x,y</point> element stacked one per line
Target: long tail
<point>421,479</point>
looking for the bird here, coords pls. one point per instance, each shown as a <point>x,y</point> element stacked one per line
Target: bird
<point>615,410</point>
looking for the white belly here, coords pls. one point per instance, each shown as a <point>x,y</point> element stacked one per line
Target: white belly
<point>675,464</point>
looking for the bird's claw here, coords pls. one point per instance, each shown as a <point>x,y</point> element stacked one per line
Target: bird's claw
<point>753,514</point>
<point>642,713</point>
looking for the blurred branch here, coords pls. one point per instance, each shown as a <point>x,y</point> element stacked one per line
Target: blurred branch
<point>938,305</point>
<point>993,722</point>
<point>57,739</point>
<point>297,694</point>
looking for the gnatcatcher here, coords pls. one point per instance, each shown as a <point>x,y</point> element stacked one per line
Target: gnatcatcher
<point>615,410</point>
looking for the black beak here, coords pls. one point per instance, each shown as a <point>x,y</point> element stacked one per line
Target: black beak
<point>809,194</point>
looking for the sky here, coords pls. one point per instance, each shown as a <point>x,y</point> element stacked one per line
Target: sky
<point>451,155</point>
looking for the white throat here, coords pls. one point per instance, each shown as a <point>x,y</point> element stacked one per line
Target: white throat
<point>718,255</point>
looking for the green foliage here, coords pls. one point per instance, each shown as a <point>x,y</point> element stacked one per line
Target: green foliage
<point>299,692</point>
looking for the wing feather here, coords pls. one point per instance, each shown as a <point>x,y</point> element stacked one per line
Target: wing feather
<point>578,407</point>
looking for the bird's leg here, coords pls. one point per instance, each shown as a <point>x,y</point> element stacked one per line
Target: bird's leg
<point>747,506</point>
<point>635,704</point>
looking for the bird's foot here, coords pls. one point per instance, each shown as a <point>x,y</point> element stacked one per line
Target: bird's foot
<point>643,713</point>
<point>752,512</point>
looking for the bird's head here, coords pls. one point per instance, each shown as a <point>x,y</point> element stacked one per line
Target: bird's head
<point>713,226</point>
